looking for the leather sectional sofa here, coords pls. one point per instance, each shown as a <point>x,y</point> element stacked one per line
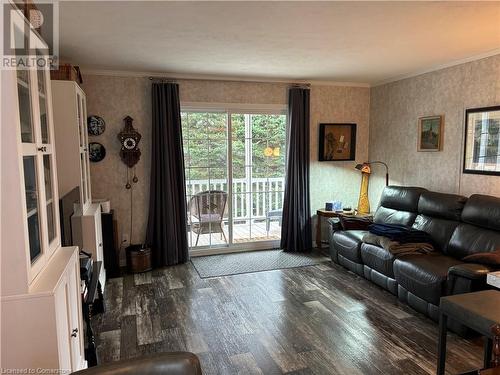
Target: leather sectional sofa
<point>459,227</point>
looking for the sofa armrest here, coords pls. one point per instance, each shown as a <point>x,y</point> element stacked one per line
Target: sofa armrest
<point>471,271</point>
<point>174,363</point>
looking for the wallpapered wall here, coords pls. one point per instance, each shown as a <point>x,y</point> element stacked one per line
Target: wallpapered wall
<point>113,98</point>
<point>395,109</point>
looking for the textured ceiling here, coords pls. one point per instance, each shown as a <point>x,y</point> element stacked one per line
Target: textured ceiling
<point>365,42</point>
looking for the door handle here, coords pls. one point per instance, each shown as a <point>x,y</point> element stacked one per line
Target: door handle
<point>74,333</point>
<point>42,149</point>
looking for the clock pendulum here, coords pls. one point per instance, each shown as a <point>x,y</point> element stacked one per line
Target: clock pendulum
<point>128,185</point>
<point>135,180</point>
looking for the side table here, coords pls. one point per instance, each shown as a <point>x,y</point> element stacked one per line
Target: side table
<point>324,213</point>
<point>479,311</point>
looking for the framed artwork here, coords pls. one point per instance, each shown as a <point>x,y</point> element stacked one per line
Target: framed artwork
<point>430,133</point>
<point>337,142</point>
<point>482,141</point>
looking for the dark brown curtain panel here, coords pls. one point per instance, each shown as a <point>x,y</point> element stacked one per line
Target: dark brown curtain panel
<point>296,233</point>
<point>166,232</point>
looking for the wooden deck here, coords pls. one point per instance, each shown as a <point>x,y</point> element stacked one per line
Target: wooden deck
<point>245,231</point>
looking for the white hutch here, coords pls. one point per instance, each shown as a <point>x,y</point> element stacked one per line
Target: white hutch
<point>41,314</point>
<point>70,124</point>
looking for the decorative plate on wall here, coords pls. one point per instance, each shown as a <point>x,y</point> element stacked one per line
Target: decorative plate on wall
<point>97,152</point>
<point>95,125</point>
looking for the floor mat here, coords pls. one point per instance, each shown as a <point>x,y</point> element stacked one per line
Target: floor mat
<point>253,261</point>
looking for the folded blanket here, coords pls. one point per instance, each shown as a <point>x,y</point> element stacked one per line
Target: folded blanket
<point>397,248</point>
<point>400,233</point>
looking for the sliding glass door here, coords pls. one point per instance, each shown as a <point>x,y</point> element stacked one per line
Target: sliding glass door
<point>235,175</point>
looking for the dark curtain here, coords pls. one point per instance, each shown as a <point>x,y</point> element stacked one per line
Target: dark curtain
<point>166,232</point>
<point>296,233</point>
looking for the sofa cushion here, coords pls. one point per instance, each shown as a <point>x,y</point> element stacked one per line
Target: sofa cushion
<point>445,206</point>
<point>426,276</point>
<point>398,205</point>
<point>386,215</point>
<point>439,229</point>
<point>378,259</point>
<point>401,198</point>
<point>348,243</point>
<point>482,211</point>
<point>470,239</point>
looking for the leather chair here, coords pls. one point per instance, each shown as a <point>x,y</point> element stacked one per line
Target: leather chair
<point>458,226</point>
<point>175,363</point>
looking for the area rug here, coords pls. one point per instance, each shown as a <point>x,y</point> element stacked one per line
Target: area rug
<point>253,261</point>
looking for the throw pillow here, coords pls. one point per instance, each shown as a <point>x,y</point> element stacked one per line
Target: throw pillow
<point>354,223</point>
<point>491,259</point>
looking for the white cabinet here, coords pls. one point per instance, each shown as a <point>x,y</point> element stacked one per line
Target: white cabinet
<point>87,234</point>
<point>70,124</point>
<point>43,328</point>
<point>40,294</point>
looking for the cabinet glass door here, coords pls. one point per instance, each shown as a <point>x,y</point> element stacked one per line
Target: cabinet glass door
<point>40,183</point>
<point>32,206</point>
<point>25,112</point>
<point>42,102</point>
<point>48,173</point>
<point>84,155</point>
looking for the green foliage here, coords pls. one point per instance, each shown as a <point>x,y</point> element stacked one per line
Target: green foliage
<point>205,145</point>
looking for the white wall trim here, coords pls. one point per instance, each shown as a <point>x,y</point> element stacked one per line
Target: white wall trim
<point>207,77</point>
<point>439,67</point>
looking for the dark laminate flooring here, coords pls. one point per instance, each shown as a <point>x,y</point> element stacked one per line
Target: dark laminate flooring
<point>319,319</point>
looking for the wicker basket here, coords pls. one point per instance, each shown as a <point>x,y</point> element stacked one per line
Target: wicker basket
<point>67,72</point>
<point>138,258</point>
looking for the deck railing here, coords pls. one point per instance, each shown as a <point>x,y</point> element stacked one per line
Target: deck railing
<point>264,194</point>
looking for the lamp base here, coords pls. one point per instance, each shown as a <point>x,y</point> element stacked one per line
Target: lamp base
<point>364,203</point>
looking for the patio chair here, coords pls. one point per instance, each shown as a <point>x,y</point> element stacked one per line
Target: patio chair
<point>208,208</point>
<point>273,215</point>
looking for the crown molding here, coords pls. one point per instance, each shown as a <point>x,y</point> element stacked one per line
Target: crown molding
<point>435,68</point>
<point>209,77</point>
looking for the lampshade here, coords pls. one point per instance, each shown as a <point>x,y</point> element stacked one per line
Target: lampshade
<point>365,168</point>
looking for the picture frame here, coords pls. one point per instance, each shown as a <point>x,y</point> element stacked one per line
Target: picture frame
<point>482,141</point>
<point>337,142</point>
<point>430,133</point>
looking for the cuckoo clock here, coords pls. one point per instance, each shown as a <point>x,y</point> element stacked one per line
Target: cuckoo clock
<point>130,153</point>
<point>129,139</point>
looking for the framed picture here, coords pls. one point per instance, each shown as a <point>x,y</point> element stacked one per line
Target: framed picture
<point>337,142</point>
<point>482,141</point>
<point>430,133</point>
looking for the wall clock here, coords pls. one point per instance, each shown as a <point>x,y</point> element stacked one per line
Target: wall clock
<point>129,139</point>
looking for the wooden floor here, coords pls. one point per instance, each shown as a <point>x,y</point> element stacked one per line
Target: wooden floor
<point>312,320</point>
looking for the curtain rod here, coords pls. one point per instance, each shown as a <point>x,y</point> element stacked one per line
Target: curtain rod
<point>163,80</point>
<point>301,85</point>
